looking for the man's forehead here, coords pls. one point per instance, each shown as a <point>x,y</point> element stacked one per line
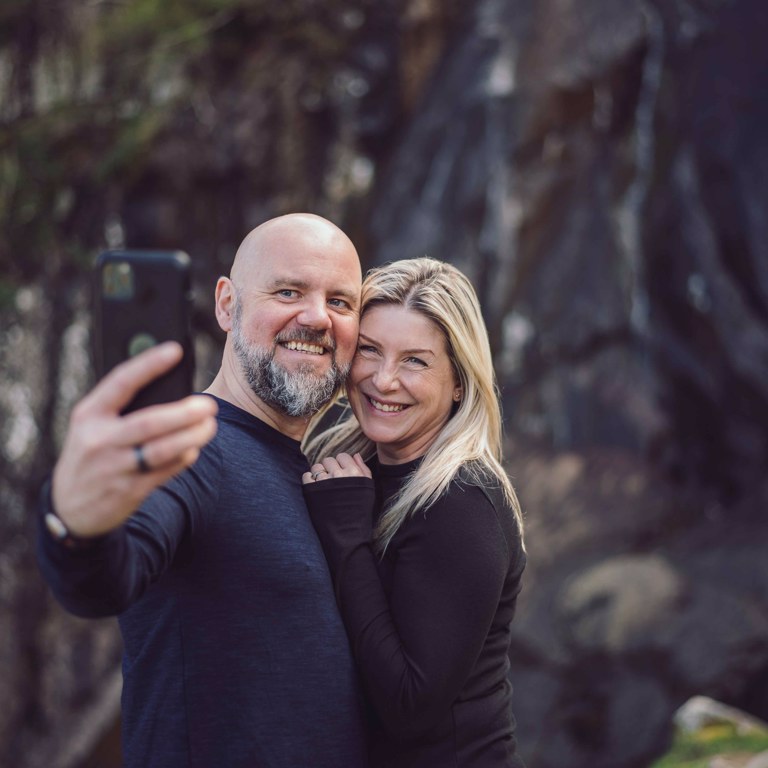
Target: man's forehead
<point>304,253</point>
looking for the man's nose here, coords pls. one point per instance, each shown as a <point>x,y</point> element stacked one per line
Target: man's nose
<point>314,314</point>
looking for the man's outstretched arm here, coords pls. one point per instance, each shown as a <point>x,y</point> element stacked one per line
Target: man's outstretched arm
<point>98,484</point>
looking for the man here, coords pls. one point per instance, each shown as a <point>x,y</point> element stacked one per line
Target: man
<point>234,651</point>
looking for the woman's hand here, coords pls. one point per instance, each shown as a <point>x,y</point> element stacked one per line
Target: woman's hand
<point>342,465</point>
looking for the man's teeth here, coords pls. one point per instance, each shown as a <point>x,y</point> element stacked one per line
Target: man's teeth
<point>300,346</point>
<point>384,407</point>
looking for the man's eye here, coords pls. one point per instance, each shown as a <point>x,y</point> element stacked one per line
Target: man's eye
<point>339,303</point>
<point>287,293</point>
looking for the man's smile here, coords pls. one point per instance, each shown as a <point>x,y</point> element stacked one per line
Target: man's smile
<point>303,346</point>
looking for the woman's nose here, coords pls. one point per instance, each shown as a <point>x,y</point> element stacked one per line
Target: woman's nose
<point>385,377</point>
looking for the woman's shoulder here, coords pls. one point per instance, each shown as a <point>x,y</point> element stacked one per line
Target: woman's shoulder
<point>479,490</point>
<point>471,516</point>
<point>477,479</point>
<point>468,490</point>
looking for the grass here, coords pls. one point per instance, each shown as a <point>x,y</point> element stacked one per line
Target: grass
<point>695,750</point>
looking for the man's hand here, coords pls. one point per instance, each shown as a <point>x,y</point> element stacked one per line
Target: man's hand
<point>98,481</point>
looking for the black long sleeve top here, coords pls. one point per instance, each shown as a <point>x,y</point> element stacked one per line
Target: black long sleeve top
<point>429,623</point>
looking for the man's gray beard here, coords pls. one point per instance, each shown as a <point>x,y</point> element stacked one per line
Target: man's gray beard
<point>300,393</point>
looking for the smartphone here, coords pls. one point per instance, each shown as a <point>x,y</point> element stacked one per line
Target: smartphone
<point>143,298</point>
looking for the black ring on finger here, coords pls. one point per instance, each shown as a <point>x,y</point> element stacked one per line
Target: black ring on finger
<point>141,462</point>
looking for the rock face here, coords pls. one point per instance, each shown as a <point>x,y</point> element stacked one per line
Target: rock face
<point>636,599</point>
<point>599,169</point>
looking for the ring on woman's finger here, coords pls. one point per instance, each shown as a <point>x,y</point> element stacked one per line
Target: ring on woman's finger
<point>319,472</point>
<point>141,462</point>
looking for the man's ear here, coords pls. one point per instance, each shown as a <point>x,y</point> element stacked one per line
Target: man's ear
<point>225,303</point>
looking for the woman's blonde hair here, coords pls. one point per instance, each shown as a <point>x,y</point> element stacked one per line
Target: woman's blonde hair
<point>471,439</point>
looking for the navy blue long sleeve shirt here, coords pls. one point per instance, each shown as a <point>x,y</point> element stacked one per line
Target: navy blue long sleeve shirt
<point>235,655</point>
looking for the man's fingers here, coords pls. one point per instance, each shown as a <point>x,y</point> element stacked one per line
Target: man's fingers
<point>112,481</point>
<point>121,384</point>
<point>153,422</point>
<point>181,446</point>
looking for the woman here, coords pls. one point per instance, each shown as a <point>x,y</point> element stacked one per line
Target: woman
<point>424,541</point>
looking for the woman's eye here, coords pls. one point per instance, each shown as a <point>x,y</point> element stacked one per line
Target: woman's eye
<point>366,348</point>
<point>416,361</point>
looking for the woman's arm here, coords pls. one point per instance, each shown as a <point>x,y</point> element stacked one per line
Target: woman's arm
<point>417,646</point>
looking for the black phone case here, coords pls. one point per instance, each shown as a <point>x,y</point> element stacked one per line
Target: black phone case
<point>143,298</point>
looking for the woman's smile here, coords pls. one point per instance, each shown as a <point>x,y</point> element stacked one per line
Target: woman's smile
<point>385,407</point>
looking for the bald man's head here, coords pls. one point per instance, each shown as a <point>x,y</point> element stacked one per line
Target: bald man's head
<point>269,239</point>
<point>291,306</point>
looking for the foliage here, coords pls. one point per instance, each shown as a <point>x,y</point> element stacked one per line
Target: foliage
<point>96,87</point>
<point>696,749</point>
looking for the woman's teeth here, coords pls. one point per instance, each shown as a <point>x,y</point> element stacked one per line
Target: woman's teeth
<point>384,407</point>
